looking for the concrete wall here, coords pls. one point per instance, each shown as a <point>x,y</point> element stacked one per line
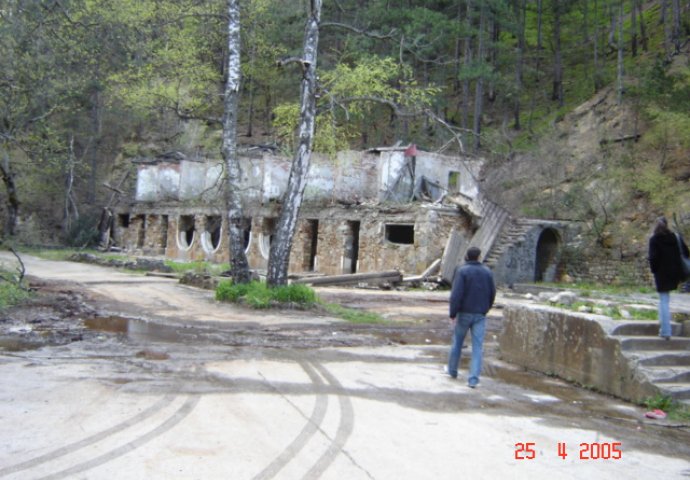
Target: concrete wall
<point>350,177</point>
<point>575,347</point>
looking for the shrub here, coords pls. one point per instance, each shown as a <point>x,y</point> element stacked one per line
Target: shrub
<point>11,294</point>
<point>258,295</point>
<point>227,291</point>
<point>295,293</point>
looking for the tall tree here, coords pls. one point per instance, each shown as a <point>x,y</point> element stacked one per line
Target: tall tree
<point>620,65</point>
<point>238,259</point>
<point>557,92</point>
<point>519,9</point>
<point>279,257</point>
<point>479,85</point>
<point>31,95</point>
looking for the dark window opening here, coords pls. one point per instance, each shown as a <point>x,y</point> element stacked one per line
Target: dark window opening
<point>123,220</point>
<point>401,234</point>
<point>212,226</point>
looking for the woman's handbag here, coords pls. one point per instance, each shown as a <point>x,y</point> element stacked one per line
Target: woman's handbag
<point>684,261</point>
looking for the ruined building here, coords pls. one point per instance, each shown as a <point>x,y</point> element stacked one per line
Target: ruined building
<point>382,209</point>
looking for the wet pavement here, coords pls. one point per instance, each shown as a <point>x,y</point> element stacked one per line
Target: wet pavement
<point>158,381</point>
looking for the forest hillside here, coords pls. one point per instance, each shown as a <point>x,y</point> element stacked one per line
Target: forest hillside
<point>580,107</point>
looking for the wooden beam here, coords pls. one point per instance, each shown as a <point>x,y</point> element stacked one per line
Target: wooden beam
<point>393,276</point>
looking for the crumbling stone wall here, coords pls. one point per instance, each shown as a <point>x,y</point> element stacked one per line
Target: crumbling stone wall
<point>342,210</point>
<point>573,346</point>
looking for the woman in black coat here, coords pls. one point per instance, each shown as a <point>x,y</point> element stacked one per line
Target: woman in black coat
<point>665,263</point>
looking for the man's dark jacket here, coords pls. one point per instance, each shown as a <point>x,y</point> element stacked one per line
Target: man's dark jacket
<point>473,291</point>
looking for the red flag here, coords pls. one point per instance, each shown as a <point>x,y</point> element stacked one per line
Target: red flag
<point>411,151</point>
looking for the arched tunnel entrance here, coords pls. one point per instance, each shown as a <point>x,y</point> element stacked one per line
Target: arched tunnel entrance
<point>547,255</point>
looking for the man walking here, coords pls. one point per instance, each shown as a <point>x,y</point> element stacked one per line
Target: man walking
<point>472,296</point>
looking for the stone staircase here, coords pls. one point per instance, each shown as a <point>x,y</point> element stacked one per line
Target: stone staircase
<point>663,363</point>
<point>512,232</point>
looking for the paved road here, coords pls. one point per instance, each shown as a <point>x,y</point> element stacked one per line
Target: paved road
<point>196,390</point>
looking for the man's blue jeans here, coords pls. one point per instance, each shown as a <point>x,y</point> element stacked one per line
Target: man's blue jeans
<point>665,314</point>
<point>476,324</point>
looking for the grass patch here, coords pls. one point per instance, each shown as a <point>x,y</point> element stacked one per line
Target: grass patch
<point>258,295</point>
<point>198,267</point>
<point>352,315</point>
<point>587,289</point>
<point>57,254</point>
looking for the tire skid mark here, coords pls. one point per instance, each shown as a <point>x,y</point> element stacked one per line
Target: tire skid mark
<point>171,422</point>
<point>345,428</point>
<point>312,426</point>
<point>73,447</point>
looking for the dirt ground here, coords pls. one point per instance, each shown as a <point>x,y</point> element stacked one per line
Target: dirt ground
<point>117,375</point>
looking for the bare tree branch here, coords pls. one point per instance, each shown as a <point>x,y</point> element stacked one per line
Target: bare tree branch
<point>380,36</point>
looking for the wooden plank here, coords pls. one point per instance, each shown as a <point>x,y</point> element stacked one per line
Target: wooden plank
<point>393,276</point>
<point>433,268</point>
<point>451,253</point>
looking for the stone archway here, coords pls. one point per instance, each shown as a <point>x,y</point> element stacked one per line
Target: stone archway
<point>547,255</point>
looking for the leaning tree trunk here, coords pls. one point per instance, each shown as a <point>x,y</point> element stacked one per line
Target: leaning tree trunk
<point>238,259</point>
<point>279,257</point>
<point>12,196</point>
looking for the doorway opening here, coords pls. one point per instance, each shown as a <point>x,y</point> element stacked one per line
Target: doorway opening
<point>547,249</point>
<point>310,236</point>
<point>351,247</point>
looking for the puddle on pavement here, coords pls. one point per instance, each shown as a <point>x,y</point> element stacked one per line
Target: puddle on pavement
<point>136,329</point>
<point>12,344</point>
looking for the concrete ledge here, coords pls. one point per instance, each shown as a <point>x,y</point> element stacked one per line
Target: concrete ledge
<point>574,346</point>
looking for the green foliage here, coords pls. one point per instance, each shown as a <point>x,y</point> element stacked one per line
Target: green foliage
<point>659,401</point>
<point>258,295</point>
<point>295,293</point>
<point>663,192</point>
<point>11,292</point>
<point>83,233</point>
<point>352,92</point>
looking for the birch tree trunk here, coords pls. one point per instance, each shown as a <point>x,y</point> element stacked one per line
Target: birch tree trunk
<point>238,259</point>
<point>279,258</point>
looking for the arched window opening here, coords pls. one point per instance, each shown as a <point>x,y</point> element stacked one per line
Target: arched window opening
<point>185,231</point>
